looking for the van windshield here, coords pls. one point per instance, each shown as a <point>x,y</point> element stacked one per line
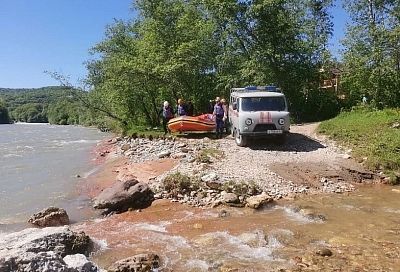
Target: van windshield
<point>263,104</point>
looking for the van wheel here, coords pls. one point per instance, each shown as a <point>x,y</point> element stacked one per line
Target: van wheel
<point>240,139</point>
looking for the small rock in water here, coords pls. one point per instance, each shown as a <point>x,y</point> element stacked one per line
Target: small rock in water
<point>223,213</point>
<point>325,252</point>
<point>198,226</point>
<point>50,217</point>
<point>140,263</point>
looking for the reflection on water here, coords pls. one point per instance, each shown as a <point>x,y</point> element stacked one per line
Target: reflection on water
<point>361,229</point>
<point>38,165</point>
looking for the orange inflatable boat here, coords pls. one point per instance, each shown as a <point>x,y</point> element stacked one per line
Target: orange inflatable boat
<point>204,122</point>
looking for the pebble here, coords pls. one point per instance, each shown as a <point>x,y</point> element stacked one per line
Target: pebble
<point>325,252</point>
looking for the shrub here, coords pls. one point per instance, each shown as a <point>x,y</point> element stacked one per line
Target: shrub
<point>241,188</point>
<point>177,183</point>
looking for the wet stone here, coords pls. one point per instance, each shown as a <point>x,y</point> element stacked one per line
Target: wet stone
<point>325,252</point>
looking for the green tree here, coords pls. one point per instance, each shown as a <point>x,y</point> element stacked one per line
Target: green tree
<point>372,56</point>
<point>4,117</point>
<point>30,113</point>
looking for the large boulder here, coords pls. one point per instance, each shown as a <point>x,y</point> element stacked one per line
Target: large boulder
<point>125,195</point>
<point>41,249</point>
<point>139,263</point>
<point>50,217</point>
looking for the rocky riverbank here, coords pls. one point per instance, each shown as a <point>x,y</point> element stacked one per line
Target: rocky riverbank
<point>214,169</point>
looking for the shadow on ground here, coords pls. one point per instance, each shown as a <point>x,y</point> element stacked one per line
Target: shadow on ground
<point>197,135</point>
<point>295,142</point>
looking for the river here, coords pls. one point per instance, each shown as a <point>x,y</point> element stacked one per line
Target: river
<point>360,229</point>
<point>39,164</point>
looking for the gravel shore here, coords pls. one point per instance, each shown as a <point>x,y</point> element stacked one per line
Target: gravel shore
<point>305,164</point>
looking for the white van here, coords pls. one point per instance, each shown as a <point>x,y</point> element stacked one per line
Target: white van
<point>258,111</point>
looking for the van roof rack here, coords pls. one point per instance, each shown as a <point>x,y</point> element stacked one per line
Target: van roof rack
<point>268,88</point>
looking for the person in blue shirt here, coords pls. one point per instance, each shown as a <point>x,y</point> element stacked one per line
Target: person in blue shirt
<point>182,109</point>
<point>219,114</point>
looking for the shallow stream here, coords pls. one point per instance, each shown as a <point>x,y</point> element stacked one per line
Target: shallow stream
<point>361,229</point>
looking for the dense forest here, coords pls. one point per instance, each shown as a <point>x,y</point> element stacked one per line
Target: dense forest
<point>57,105</point>
<point>199,49</point>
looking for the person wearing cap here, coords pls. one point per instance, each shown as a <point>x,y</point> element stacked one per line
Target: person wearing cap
<point>219,117</point>
<point>167,114</point>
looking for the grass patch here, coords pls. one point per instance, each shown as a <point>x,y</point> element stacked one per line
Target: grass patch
<point>206,155</point>
<point>241,188</point>
<point>178,183</point>
<point>371,134</point>
<point>144,132</point>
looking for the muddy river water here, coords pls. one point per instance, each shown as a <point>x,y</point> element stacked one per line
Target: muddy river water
<point>361,229</point>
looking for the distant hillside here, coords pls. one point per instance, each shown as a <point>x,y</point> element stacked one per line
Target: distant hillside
<point>54,104</point>
<point>46,95</point>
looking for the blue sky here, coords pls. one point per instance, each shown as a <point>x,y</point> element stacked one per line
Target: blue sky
<point>55,35</point>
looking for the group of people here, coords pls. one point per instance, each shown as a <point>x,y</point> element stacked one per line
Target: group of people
<point>182,109</point>
<point>218,108</point>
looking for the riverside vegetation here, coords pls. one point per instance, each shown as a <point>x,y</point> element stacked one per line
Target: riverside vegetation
<point>373,135</point>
